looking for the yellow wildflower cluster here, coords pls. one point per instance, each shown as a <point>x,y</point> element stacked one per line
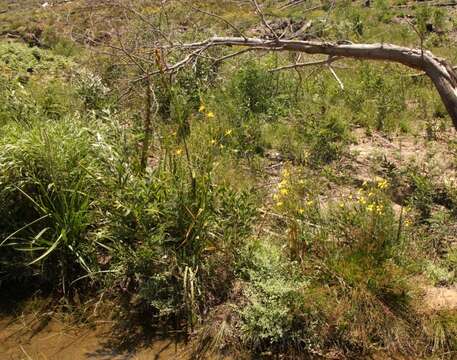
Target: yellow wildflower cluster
<point>371,205</point>
<point>408,216</point>
<point>368,196</point>
<point>375,208</point>
<point>285,192</point>
<point>209,114</point>
<point>283,188</point>
<point>368,200</point>
<point>383,184</point>
<point>227,133</point>
<point>308,203</point>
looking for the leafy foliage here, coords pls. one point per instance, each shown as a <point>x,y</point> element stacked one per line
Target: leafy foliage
<point>252,204</point>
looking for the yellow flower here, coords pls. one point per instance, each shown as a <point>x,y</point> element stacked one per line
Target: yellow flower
<point>383,184</point>
<point>407,222</point>
<point>279,204</point>
<point>201,108</point>
<point>379,209</point>
<point>310,202</point>
<point>284,191</point>
<point>213,142</point>
<point>370,208</point>
<point>362,200</point>
<point>341,205</point>
<point>178,152</point>
<point>228,132</point>
<point>301,211</point>
<point>210,115</point>
<point>221,146</point>
<point>285,173</point>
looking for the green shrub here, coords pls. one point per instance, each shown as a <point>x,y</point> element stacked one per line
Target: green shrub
<point>328,144</point>
<point>91,90</point>
<point>376,100</point>
<point>282,313</point>
<point>60,45</point>
<point>255,88</point>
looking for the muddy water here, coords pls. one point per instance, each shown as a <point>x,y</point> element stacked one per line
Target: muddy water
<point>57,341</point>
<point>22,339</point>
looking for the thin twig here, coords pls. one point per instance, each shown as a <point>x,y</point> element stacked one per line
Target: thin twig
<point>311,63</point>
<point>426,3</point>
<point>229,56</point>
<point>25,353</point>
<point>264,21</point>
<point>336,76</point>
<point>292,3</point>
<point>421,37</point>
<point>178,65</point>
<point>146,21</point>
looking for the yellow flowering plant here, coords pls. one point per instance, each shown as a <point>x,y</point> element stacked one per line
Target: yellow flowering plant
<point>293,196</point>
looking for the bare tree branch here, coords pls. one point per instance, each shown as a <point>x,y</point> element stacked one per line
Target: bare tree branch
<point>264,21</point>
<point>439,71</point>
<point>306,64</point>
<point>336,76</point>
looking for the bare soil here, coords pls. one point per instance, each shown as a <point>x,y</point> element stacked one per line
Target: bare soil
<point>60,341</point>
<point>441,298</point>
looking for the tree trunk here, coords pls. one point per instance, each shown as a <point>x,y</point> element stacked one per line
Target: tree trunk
<point>440,72</point>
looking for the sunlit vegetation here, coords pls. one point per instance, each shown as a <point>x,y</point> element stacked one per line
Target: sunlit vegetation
<point>276,214</point>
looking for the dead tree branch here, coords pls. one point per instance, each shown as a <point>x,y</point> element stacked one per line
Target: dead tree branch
<point>440,72</point>
<point>264,21</point>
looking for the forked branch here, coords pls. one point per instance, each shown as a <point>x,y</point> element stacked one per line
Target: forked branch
<point>437,69</point>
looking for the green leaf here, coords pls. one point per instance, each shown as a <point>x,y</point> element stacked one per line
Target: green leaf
<point>49,251</point>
